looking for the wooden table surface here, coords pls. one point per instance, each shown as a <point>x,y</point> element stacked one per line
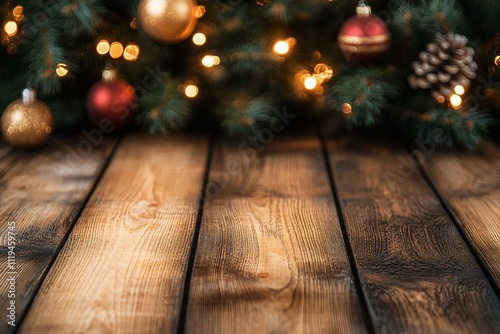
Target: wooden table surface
<point>199,234</point>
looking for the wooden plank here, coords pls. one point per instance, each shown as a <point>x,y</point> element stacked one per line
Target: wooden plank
<point>470,185</point>
<point>417,273</point>
<point>41,193</point>
<point>271,256</point>
<point>123,265</point>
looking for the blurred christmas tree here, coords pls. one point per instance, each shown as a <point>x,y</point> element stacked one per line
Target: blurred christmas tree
<point>407,65</point>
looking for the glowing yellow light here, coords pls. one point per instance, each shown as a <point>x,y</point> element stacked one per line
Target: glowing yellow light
<point>191,91</point>
<point>310,83</point>
<point>281,47</point>
<point>456,101</point>
<point>459,89</point>
<point>346,109</point>
<point>102,47</point>
<point>62,70</point>
<point>497,60</point>
<point>200,11</point>
<point>10,28</point>
<point>116,50</point>
<point>131,52</point>
<point>18,13</point>
<point>210,61</point>
<point>133,23</point>
<point>199,38</point>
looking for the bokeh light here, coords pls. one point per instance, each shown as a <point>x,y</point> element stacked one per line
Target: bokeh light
<point>102,47</point>
<point>116,50</point>
<point>191,91</point>
<point>310,83</point>
<point>131,52</point>
<point>10,28</point>
<point>62,70</point>
<point>199,38</point>
<point>281,47</point>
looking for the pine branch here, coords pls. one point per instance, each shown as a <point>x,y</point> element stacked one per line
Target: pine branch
<point>243,116</point>
<point>80,16</point>
<point>42,59</point>
<point>367,93</point>
<point>164,109</point>
<point>417,23</point>
<point>283,11</point>
<point>48,26</point>
<point>445,127</point>
<point>483,17</point>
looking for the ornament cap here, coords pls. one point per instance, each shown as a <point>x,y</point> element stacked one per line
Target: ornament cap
<point>109,74</point>
<point>29,95</point>
<point>363,10</point>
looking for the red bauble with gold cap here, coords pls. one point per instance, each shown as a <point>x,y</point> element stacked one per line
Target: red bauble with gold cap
<point>111,102</point>
<point>365,37</point>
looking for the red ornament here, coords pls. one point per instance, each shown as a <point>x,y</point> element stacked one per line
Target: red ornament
<point>111,102</point>
<point>364,37</point>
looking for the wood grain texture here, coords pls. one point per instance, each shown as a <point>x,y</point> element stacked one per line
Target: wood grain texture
<point>271,258</point>
<point>41,192</point>
<point>470,184</point>
<point>122,267</point>
<point>416,271</point>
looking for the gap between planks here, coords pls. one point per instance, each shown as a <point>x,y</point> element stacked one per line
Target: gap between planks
<point>124,263</point>
<point>68,232</point>
<point>273,209</point>
<point>180,326</point>
<point>350,254</point>
<point>465,226</point>
<point>406,249</point>
<point>42,191</point>
<point>186,285</point>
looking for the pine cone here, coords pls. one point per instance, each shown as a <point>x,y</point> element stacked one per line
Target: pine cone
<point>446,63</point>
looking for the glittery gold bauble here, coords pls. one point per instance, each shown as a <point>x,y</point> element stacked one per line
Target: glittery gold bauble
<point>28,122</point>
<point>169,21</point>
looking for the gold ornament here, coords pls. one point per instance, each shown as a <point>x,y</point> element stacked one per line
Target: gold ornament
<point>28,122</point>
<point>169,21</point>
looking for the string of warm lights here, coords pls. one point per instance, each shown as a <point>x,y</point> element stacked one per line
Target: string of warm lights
<point>309,81</point>
<point>11,28</point>
<point>455,98</point>
<point>116,50</point>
